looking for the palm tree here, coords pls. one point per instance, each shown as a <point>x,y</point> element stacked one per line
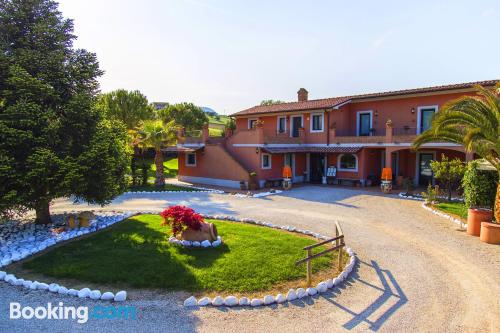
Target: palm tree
<point>473,121</point>
<point>157,134</point>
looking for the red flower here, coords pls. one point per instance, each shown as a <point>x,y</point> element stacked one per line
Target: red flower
<point>181,218</point>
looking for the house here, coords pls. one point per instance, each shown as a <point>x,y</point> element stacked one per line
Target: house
<point>358,135</point>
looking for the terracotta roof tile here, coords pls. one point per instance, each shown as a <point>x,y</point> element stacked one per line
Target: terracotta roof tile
<point>335,101</point>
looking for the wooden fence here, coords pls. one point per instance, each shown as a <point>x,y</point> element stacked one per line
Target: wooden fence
<point>338,245</point>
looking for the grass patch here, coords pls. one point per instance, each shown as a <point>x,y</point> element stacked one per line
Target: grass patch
<point>454,208</point>
<point>220,120</point>
<point>136,253</point>
<point>215,132</point>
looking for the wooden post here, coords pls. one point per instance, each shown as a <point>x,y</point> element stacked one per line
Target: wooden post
<point>309,268</point>
<point>340,260</point>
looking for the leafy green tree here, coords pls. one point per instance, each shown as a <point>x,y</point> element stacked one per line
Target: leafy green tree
<point>129,107</point>
<point>449,173</point>
<point>473,121</point>
<point>187,115</point>
<point>271,102</point>
<point>53,141</point>
<point>157,135</point>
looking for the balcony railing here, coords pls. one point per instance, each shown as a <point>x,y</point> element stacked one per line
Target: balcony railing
<point>406,130</point>
<point>352,132</point>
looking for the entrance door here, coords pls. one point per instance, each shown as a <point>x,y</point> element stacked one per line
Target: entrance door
<point>424,169</point>
<point>317,167</point>
<point>296,124</point>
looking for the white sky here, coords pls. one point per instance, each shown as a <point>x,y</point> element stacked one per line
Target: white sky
<point>229,55</point>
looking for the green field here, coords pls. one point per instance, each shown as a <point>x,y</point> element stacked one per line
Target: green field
<point>137,253</point>
<point>222,120</point>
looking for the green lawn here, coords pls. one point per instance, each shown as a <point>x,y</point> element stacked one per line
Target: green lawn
<point>455,208</point>
<point>221,121</point>
<point>170,168</point>
<point>215,132</point>
<point>136,253</point>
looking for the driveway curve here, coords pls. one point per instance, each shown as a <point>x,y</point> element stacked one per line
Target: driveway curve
<point>416,271</point>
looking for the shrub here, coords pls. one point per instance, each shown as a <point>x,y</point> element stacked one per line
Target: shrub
<point>479,186</point>
<point>408,185</point>
<point>449,173</point>
<point>181,218</point>
<point>144,169</point>
<point>432,193</point>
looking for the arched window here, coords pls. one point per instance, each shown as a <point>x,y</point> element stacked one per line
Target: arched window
<point>348,162</point>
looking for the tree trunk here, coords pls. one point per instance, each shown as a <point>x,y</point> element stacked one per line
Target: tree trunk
<point>42,212</point>
<point>160,177</point>
<point>497,202</point>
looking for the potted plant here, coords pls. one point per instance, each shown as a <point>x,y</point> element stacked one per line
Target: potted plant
<point>479,196</point>
<point>253,184</point>
<point>188,225</point>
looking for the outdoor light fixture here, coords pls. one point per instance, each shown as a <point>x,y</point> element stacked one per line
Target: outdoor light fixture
<point>376,113</point>
<point>257,150</point>
<point>412,110</point>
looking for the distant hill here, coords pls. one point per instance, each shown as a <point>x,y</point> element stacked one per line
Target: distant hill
<point>208,110</point>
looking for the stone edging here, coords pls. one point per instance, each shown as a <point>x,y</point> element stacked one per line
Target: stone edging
<point>440,213</point>
<point>420,198</point>
<point>197,189</point>
<point>203,244</point>
<point>280,298</point>
<point>23,248</point>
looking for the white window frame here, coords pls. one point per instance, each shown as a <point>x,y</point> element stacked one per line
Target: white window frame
<point>358,114</point>
<point>322,114</point>
<point>262,161</point>
<point>250,120</point>
<point>347,170</point>
<point>187,159</point>
<point>278,124</point>
<point>291,122</point>
<point>419,113</point>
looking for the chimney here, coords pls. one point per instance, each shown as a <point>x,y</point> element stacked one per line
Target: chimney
<point>302,95</point>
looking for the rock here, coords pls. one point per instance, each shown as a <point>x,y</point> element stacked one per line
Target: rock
<point>6,262</point>
<point>42,286</point>
<point>329,283</point>
<point>186,243</point>
<point>73,292</point>
<point>311,291</point>
<point>53,287</point>
<point>204,301</point>
<point>280,298</point>
<point>218,301</point>
<point>95,294</point>
<point>2,275</point>
<point>27,283</point>
<point>84,293</point>
<point>301,293</point>
<point>230,301</point>
<point>268,299</point>
<point>196,244</point>
<point>244,301</point>
<point>191,301</point>
<point>33,286</point>
<point>120,296</point>
<point>322,287</point>
<point>336,281</point>
<point>107,296</point>
<point>206,243</point>
<point>291,295</point>
<point>216,243</point>
<point>62,290</point>
<point>256,302</point>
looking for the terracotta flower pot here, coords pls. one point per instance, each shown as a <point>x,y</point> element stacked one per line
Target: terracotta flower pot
<point>208,231</point>
<point>474,218</point>
<point>490,232</point>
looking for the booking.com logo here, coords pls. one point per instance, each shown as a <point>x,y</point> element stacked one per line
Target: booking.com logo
<point>61,312</point>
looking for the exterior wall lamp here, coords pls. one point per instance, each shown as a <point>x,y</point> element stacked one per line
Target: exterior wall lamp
<point>412,110</point>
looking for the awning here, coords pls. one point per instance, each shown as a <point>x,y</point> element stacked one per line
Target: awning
<point>181,149</point>
<point>343,149</point>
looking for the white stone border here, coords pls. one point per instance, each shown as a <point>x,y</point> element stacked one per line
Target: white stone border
<point>195,189</point>
<point>420,198</point>
<point>51,241</point>
<point>203,244</point>
<point>292,294</point>
<point>442,214</point>
<point>257,195</point>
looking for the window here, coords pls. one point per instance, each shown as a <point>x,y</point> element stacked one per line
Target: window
<point>317,122</point>
<point>252,123</point>
<point>190,159</point>
<point>266,161</point>
<point>281,124</point>
<point>425,115</point>
<point>296,123</point>
<point>348,162</point>
<point>364,124</point>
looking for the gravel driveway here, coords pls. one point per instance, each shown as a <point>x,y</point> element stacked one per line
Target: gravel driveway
<point>417,271</point>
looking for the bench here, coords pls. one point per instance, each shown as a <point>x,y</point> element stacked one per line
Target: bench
<point>273,182</point>
<point>353,181</point>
